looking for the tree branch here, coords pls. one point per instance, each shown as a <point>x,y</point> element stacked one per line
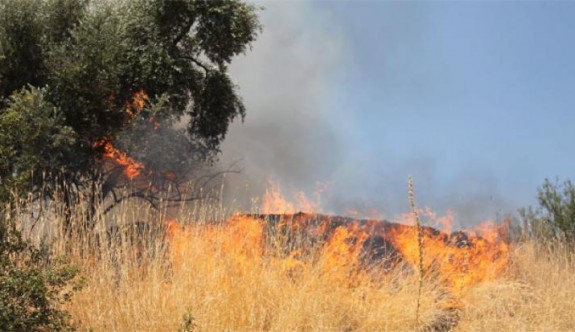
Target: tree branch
<point>183,33</point>
<point>197,62</point>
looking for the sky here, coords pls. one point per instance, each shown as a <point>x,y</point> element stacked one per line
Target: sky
<point>474,100</point>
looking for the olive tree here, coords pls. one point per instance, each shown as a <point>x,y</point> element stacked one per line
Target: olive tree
<point>142,81</point>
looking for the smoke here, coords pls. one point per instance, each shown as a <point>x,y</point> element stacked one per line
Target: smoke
<point>292,135</point>
<point>289,134</point>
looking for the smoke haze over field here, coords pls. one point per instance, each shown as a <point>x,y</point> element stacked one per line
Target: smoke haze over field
<point>289,134</point>
<point>361,96</point>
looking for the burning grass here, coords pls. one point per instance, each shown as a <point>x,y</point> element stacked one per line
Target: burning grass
<point>303,271</point>
<point>223,277</point>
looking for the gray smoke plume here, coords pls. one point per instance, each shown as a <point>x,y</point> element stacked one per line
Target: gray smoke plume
<point>292,135</point>
<point>288,134</point>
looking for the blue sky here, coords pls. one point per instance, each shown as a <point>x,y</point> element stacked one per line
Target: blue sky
<point>473,99</point>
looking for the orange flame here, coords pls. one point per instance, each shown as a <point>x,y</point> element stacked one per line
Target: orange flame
<point>274,202</point>
<point>458,260</point>
<point>132,168</point>
<point>342,253</point>
<point>239,241</point>
<point>137,104</point>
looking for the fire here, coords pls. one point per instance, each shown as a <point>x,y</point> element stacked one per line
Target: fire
<point>341,255</point>
<point>137,104</point>
<point>345,251</point>
<point>132,168</point>
<point>239,241</point>
<point>274,202</point>
<point>460,259</point>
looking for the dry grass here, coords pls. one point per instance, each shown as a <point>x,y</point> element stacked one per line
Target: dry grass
<point>535,295</point>
<point>220,278</point>
<point>260,299</point>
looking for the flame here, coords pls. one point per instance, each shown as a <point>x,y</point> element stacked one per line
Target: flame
<point>240,244</point>
<point>274,202</point>
<point>132,168</point>
<point>341,255</point>
<point>137,104</point>
<point>308,244</point>
<point>239,241</point>
<point>460,259</point>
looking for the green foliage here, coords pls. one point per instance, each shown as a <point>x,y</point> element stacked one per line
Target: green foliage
<point>554,218</point>
<point>84,60</point>
<point>20,46</point>
<point>27,29</point>
<point>31,288</point>
<point>33,136</point>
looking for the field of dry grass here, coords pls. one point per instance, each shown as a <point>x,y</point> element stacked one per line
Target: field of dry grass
<point>227,277</point>
<point>535,294</point>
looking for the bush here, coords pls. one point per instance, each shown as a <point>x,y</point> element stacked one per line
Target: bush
<point>32,287</point>
<point>554,218</point>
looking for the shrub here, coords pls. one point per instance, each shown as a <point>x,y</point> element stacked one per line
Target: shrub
<point>31,286</point>
<point>554,218</point>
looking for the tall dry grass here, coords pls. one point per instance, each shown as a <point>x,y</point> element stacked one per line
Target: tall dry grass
<point>536,294</point>
<point>220,277</point>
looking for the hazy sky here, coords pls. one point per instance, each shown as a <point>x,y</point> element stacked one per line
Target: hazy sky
<point>475,100</point>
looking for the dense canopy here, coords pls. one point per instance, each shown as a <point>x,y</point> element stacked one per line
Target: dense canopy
<point>148,75</point>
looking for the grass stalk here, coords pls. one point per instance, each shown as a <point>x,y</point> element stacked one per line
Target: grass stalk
<point>419,249</point>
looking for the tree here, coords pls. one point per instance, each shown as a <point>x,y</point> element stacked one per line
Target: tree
<point>554,218</point>
<point>122,93</point>
<point>33,136</point>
